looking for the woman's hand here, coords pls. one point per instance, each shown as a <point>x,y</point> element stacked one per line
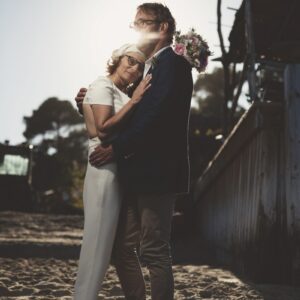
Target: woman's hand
<point>141,89</point>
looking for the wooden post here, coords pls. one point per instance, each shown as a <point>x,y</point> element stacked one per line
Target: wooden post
<point>250,48</point>
<point>292,170</point>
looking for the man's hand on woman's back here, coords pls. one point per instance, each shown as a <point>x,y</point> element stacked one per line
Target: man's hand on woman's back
<point>79,99</point>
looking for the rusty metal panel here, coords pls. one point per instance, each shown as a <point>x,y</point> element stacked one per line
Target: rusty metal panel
<point>292,175</point>
<point>238,208</point>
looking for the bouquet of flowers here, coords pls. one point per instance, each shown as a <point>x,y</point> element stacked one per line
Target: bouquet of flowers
<point>193,48</point>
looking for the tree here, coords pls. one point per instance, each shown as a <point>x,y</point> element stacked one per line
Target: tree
<point>60,156</point>
<point>206,120</point>
<point>232,83</point>
<point>52,115</point>
<point>209,95</point>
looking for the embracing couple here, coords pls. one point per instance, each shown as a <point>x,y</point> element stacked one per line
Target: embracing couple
<point>137,122</point>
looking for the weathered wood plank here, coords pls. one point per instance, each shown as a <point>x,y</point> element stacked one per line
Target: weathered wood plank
<point>259,116</point>
<point>292,170</point>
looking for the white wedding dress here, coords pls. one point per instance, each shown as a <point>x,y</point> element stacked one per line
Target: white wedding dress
<point>102,202</point>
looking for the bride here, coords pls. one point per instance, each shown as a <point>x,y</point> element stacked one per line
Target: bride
<point>106,107</point>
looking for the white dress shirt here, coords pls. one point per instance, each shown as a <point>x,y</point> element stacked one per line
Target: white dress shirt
<point>149,60</point>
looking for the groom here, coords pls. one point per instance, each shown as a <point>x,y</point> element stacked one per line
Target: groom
<point>152,156</point>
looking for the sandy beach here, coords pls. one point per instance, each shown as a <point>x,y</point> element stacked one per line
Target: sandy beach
<point>38,260</point>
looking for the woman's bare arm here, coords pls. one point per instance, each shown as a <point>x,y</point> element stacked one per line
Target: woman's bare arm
<point>106,122</point>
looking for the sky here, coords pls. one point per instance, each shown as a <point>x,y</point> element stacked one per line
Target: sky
<point>51,48</point>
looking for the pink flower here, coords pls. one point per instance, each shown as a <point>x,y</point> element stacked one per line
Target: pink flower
<point>180,49</point>
<point>193,48</point>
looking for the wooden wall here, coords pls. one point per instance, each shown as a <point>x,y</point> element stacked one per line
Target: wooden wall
<point>248,199</point>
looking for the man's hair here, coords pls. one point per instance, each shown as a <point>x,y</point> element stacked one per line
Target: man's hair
<point>162,14</point>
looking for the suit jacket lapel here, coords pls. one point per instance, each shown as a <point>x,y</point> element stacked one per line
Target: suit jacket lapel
<point>167,51</point>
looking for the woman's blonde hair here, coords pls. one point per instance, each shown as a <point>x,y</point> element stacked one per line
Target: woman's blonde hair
<point>113,64</point>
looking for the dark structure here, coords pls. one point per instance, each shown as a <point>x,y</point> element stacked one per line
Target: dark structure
<point>248,198</point>
<point>275,31</point>
<point>265,32</point>
<point>16,177</point>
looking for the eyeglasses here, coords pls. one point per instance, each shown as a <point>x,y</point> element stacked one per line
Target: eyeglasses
<point>141,23</point>
<point>132,62</point>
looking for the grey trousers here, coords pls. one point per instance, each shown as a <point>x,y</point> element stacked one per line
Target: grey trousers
<point>144,228</point>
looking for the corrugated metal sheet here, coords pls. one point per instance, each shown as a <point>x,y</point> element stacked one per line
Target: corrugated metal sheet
<point>248,199</point>
<point>238,206</point>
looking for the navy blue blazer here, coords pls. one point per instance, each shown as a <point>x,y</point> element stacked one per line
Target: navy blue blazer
<point>152,148</point>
